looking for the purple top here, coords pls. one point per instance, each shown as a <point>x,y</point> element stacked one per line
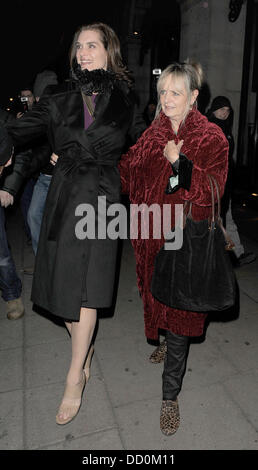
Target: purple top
<point>88,119</point>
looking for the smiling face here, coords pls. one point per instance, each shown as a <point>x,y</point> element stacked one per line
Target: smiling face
<point>175,100</point>
<point>90,51</point>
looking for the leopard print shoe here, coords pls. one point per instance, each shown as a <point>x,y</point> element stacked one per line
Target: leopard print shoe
<point>169,417</point>
<point>159,354</point>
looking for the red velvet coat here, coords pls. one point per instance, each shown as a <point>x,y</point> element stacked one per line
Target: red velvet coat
<point>144,174</point>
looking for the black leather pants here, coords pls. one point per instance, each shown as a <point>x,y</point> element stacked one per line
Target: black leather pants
<point>174,365</point>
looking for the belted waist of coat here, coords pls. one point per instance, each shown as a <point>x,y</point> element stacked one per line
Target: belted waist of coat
<point>68,169</point>
<point>71,163</point>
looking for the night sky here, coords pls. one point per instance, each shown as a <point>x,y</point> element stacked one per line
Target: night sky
<point>36,35</point>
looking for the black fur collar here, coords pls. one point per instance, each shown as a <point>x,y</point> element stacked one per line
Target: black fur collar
<point>94,81</point>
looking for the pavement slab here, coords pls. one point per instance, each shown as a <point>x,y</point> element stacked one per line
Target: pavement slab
<point>121,403</point>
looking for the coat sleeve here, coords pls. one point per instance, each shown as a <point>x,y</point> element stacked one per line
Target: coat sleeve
<point>27,129</point>
<point>31,125</point>
<point>6,146</point>
<point>26,165</point>
<point>212,158</point>
<point>14,179</point>
<point>126,163</point>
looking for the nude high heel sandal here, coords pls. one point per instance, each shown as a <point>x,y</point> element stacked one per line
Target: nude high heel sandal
<point>88,363</point>
<point>71,402</point>
<point>73,394</point>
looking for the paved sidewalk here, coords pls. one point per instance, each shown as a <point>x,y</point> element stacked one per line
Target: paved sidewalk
<point>121,402</point>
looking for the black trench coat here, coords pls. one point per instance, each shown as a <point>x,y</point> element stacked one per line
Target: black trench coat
<point>71,272</point>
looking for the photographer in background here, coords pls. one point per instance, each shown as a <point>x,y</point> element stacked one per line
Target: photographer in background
<point>25,166</point>
<point>26,99</point>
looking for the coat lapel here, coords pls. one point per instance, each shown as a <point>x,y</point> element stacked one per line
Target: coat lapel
<point>109,107</point>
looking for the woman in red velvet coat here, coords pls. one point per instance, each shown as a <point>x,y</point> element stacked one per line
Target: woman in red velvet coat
<point>168,165</point>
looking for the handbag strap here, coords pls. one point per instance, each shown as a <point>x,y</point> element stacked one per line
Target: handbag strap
<point>214,181</point>
<point>187,211</point>
<point>213,200</point>
<point>229,243</point>
<point>215,216</point>
<point>188,204</point>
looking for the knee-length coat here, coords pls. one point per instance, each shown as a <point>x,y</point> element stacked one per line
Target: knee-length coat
<point>71,271</point>
<point>144,174</point>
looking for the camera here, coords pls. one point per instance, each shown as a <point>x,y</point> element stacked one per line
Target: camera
<point>156,71</point>
<point>24,102</point>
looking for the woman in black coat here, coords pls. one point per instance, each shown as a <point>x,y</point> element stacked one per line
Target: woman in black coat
<point>88,128</point>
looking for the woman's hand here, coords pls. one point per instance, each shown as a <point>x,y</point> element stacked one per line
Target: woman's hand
<point>172,150</point>
<point>53,158</point>
<point>6,199</point>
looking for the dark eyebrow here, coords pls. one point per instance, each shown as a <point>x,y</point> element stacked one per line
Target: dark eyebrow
<point>87,42</point>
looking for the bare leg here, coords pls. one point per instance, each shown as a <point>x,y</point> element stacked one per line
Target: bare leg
<point>81,334</point>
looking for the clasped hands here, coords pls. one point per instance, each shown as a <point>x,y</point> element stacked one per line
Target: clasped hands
<point>172,150</point>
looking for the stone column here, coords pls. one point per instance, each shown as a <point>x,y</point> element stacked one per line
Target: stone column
<point>210,38</point>
<point>141,73</point>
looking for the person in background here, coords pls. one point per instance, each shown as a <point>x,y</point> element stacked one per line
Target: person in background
<point>221,114</point>
<point>26,165</point>
<point>27,100</point>
<point>10,283</point>
<point>169,165</point>
<point>149,111</point>
<point>87,125</point>
<point>6,150</point>
<point>46,83</point>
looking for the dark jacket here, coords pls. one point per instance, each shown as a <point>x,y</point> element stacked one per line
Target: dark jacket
<point>66,266</point>
<point>5,117</point>
<point>226,127</point>
<point>28,161</point>
<point>26,165</point>
<point>5,141</point>
<point>5,148</point>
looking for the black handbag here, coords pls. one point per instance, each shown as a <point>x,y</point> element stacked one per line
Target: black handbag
<point>199,276</point>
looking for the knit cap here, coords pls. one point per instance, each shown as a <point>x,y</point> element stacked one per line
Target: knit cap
<point>44,79</point>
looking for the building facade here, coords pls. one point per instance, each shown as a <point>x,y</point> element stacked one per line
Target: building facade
<point>222,36</point>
